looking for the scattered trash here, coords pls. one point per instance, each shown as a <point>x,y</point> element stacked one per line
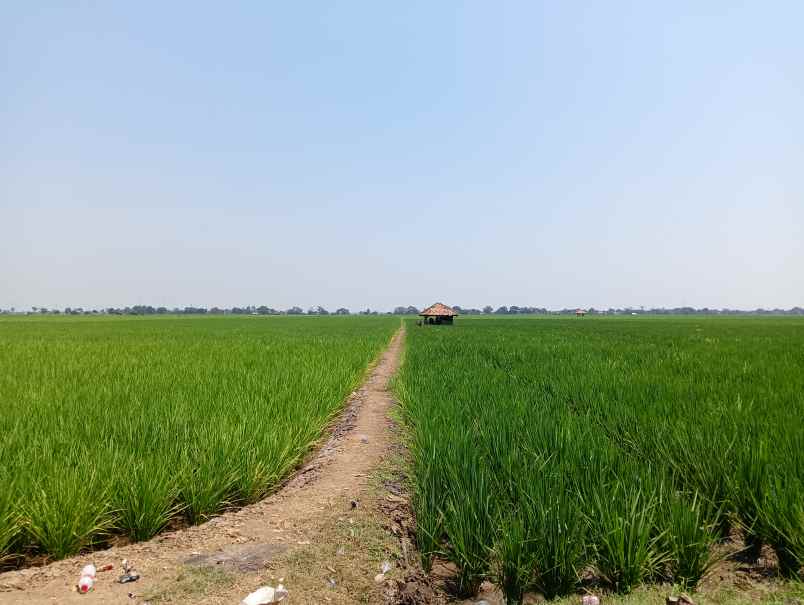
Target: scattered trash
<point>129,575</point>
<point>331,582</point>
<point>89,570</point>
<point>85,584</point>
<point>266,595</point>
<point>482,602</point>
<point>341,551</point>
<point>682,599</point>
<point>590,599</point>
<point>107,567</point>
<point>354,503</point>
<point>86,580</point>
<point>384,569</point>
<point>363,438</point>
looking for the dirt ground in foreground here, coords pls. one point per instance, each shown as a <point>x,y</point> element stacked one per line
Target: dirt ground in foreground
<point>325,533</point>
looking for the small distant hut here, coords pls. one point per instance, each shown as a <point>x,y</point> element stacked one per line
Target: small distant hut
<point>438,314</point>
<point>580,313</point>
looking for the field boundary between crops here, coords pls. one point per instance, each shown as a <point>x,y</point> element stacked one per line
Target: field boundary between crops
<point>324,531</point>
<point>336,429</point>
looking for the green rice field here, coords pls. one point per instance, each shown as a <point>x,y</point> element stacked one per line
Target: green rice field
<point>547,452</point>
<point>122,426</point>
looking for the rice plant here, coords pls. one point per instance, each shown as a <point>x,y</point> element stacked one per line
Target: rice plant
<point>689,538</point>
<point>658,433</point>
<point>122,425</point>
<point>627,547</point>
<point>783,524</point>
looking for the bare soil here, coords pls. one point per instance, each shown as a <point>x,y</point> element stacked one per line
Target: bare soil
<point>324,534</point>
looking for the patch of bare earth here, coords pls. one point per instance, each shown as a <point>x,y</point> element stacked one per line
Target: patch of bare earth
<point>325,533</point>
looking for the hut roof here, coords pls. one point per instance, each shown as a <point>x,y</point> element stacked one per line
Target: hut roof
<point>438,309</point>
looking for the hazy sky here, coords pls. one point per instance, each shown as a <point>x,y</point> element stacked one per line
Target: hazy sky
<point>377,154</point>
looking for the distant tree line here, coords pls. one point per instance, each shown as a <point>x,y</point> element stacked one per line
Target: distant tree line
<point>400,310</point>
<point>247,310</point>
<point>684,311</point>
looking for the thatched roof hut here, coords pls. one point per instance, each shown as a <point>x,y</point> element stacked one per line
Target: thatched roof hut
<point>438,314</point>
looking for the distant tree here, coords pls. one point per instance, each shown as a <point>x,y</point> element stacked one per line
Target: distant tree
<point>321,311</point>
<point>342,311</point>
<point>502,310</point>
<point>295,311</point>
<point>488,309</point>
<point>409,310</point>
<point>194,310</point>
<point>141,310</point>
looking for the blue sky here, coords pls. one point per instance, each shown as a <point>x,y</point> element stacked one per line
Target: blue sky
<point>368,154</point>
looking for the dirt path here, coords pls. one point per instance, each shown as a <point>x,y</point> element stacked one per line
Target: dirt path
<point>322,533</point>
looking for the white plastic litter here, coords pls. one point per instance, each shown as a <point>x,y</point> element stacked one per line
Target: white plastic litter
<point>86,581</point>
<point>85,584</point>
<point>590,599</point>
<point>265,595</point>
<point>89,570</point>
<point>386,567</point>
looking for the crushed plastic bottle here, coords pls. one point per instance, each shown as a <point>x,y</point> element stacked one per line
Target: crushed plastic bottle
<point>85,584</point>
<point>266,595</point>
<point>89,570</point>
<point>86,580</point>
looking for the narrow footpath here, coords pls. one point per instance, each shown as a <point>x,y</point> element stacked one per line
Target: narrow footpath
<point>325,534</point>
